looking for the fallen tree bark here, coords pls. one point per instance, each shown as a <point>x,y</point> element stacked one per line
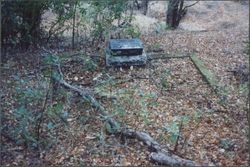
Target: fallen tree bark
<point>158,153</point>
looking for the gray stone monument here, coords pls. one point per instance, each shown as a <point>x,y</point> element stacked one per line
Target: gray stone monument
<point>125,52</point>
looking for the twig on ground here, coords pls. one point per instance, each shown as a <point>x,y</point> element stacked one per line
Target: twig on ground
<point>178,137</point>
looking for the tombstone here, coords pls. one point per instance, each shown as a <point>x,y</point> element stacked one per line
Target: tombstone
<point>125,52</point>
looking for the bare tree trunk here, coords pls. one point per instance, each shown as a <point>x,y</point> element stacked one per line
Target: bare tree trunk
<point>3,57</point>
<point>131,13</point>
<point>137,4</point>
<point>145,6</point>
<point>175,12</point>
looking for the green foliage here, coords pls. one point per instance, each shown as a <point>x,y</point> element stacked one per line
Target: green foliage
<point>226,144</point>
<point>145,101</point>
<point>247,50</point>
<point>118,108</point>
<point>25,115</point>
<point>35,114</point>
<point>24,127</point>
<point>173,130</point>
<point>135,97</point>
<point>103,85</point>
<point>133,31</point>
<point>163,79</point>
<point>29,116</point>
<point>109,129</point>
<point>160,27</point>
<point>21,20</point>
<point>156,45</point>
<point>102,15</point>
<point>89,64</point>
<point>244,89</point>
<point>223,94</point>
<point>65,11</point>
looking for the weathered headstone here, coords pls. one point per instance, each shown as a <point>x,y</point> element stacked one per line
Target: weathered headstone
<point>125,52</point>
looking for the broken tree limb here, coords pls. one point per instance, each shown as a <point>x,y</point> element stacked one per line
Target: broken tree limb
<point>171,160</point>
<point>159,154</point>
<point>188,6</point>
<point>145,138</point>
<point>86,96</point>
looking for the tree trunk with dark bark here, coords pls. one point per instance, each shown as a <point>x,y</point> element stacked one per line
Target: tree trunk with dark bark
<point>74,24</point>
<point>175,12</point>
<point>145,6</point>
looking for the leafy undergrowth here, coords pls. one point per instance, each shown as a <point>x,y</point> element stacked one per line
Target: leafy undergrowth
<point>168,98</point>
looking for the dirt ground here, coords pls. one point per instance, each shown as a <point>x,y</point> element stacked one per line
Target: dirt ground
<point>216,130</point>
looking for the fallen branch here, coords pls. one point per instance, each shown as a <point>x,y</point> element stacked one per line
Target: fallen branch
<point>158,155</point>
<point>188,6</point>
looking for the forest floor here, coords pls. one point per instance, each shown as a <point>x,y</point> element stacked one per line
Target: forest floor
<point>166,98</point>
